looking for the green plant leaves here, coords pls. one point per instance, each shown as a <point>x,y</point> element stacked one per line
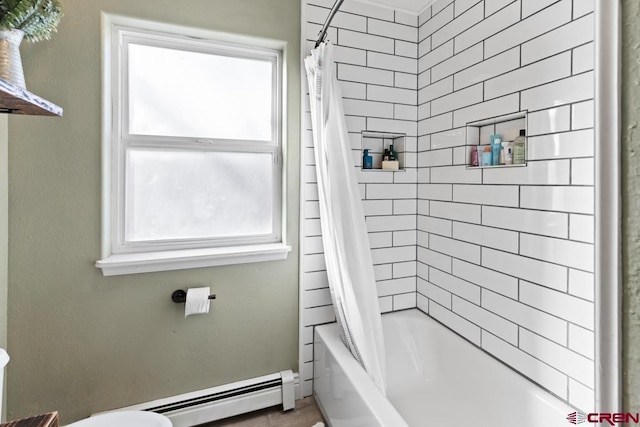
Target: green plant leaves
<point>37,18</point>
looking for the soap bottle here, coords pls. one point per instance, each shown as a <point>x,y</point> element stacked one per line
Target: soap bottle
<point>386,155</point>
<point>519,148</point>
<point>474,156</point>
<point>367,160</point>
<point>496,147</point>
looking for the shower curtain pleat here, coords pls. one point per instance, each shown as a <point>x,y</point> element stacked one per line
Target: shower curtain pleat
<point>344,233</point>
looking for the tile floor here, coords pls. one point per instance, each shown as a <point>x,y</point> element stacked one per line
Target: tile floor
<point>306,414</point>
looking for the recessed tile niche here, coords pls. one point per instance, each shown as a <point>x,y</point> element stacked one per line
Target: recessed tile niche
<point>507,126</point>
<point>377,142</point>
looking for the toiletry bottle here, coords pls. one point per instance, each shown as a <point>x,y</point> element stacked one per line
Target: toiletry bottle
<point>474,156</point>
<point>386,155</point>
<point>486,156</point>
<point>507,149</point>
<point>519,148</point>
<point>496,147</point>
<point>392,153</point>
<point>367,160</point>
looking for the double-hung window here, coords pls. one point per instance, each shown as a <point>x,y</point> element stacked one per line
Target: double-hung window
<point>193,152</point>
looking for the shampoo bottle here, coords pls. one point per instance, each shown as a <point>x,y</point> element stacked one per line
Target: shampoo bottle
<point>367,160</point>
<point>393,154</point>
<point>496,147</point>
<point>519,148</point>
<point>474,156</point>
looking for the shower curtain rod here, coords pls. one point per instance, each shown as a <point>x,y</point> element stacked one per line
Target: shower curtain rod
<point>325,27</point>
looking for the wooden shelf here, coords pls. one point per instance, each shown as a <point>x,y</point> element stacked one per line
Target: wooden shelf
<point>46,420</point>
<point>15,100</point>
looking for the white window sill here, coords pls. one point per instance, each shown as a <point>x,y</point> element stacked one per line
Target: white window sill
<point>146,262</point>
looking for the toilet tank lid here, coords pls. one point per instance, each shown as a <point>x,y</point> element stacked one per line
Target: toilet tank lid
<point>4,358</point>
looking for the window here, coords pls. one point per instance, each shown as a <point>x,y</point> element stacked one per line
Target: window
<point>192,150</point>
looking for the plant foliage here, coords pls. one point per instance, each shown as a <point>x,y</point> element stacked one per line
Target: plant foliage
<point>37,18</point>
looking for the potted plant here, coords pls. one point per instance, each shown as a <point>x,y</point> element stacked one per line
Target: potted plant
<point>33,20</point>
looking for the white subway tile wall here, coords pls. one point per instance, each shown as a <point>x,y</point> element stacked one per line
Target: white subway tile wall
<point>377,67</point>
<point>510,251</point>
<point>503,257</point>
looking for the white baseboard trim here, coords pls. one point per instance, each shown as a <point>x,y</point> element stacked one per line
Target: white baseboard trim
<point>216,403</point>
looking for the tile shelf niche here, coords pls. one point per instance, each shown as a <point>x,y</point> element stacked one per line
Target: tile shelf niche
<point>16,100</point>
<point>508,126</point>
<point>376,143</point>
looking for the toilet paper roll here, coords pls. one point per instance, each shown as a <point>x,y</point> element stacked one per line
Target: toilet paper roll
<point>197,301</point>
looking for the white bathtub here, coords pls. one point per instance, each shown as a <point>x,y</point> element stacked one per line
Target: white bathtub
<point>435,378</point>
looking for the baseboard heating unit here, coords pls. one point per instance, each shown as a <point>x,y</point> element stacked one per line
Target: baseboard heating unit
<point>227,400</point>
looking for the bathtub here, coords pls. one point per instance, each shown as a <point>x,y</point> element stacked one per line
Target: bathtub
<point>435,378</point>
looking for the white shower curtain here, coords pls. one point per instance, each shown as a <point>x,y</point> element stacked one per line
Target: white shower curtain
<point>344,233</point>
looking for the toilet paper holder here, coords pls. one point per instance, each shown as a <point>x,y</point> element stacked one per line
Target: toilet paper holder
<point>180,296</point>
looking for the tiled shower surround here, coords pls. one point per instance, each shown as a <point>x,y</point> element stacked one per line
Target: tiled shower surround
<point>502,256</point>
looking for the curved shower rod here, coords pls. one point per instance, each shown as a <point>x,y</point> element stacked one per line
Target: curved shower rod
<point>325,27</point>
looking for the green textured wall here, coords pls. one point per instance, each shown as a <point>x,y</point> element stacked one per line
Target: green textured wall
<point>631,202</point>
<point>80,342</point>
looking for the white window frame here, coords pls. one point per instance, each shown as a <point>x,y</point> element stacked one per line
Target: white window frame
<point>122,257</point>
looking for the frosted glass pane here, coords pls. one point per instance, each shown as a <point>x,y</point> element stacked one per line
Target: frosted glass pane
<point>189,94</point>
<point>184,195</point>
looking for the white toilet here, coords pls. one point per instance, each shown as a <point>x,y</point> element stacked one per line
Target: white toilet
<point>108,419</point>
<point>124,419</point>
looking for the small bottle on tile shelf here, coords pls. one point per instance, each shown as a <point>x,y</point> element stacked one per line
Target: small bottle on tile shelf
<point>367,160</point>
<point>507,148</point>
<point>519,148</point>
<point>474,156</point>
<point>393,153</point>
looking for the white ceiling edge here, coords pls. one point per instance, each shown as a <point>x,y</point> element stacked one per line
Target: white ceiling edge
<point>413,7</point>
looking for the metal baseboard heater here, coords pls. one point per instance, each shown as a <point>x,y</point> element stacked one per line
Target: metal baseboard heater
<point>216,403</point>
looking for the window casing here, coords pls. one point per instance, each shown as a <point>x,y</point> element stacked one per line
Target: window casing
<point>193,151</point>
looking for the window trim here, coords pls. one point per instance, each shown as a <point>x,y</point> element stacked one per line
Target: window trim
<point>147,262</point>
<point>119,257</point>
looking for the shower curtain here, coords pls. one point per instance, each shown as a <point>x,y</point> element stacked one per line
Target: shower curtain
<point>344,234</point>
